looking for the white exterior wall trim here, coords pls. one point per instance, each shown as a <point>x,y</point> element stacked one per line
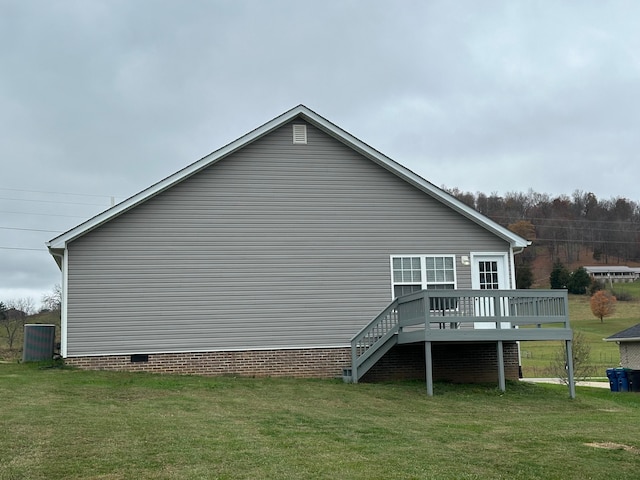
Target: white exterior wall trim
<point>512,267</point>
<point>63,263</point>
<point>63,307</point>
<point>310,116</point>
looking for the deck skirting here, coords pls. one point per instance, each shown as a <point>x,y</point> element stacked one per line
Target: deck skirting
<point>452,362</point>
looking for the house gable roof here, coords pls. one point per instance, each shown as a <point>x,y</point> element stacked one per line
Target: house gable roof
<point>60,242</point>
<point>631,334</point>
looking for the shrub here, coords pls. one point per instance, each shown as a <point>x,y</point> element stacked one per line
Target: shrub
<point>622,296</point>
<point>594,287</point>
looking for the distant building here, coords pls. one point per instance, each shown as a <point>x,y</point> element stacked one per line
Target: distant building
<point>629,342</point>
<point>614,274</point>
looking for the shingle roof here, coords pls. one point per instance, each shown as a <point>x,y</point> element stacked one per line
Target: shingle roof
<point>628,335</point>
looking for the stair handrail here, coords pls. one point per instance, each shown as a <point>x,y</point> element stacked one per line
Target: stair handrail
<point>375,333</point>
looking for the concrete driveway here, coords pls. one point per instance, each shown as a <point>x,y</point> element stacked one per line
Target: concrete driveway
<point>559,382</point>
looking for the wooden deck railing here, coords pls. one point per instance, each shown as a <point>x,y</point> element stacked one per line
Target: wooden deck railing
<point>461,315</point>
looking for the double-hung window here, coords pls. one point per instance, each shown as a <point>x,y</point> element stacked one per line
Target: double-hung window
<point>422,272</point>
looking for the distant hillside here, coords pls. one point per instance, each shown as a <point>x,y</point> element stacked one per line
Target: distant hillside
<point>576,230</point>
<point>542,264</point>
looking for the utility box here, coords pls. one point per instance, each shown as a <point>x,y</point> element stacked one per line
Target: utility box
<point>39,340</point>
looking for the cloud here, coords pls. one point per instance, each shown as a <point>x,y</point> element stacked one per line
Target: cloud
<point>108,97</point>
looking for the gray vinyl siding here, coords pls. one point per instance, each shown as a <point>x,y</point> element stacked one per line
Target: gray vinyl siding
<point>276,246</point>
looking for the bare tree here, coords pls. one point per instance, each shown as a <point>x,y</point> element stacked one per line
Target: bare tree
<point>53,301</point>
<point>14,317</point>
<point>582,369</point>
<point>25,305</point>
<point>3,310</point>
<point>565,225</point>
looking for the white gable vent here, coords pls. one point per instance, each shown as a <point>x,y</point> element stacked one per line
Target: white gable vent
<point>300,134</point>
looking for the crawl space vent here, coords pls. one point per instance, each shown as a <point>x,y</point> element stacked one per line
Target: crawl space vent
<point>300,134</point>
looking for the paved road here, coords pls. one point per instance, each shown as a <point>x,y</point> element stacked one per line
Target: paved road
<point>557,380</point>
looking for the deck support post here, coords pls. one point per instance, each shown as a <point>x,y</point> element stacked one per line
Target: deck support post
<point>428,360</point>
<point>570,378</point>
<point>501,378</point>
<point>354,364</point>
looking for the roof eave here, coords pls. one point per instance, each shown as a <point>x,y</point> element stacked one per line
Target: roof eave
<point>56,253</point>
<point>515,241</point>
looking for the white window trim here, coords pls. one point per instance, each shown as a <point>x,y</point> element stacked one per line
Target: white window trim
<point>423,269</point>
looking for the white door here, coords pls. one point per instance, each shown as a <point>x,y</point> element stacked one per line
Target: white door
<point>488,272</point>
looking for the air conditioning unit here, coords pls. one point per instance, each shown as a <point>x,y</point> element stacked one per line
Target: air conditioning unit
<point>39,340</point>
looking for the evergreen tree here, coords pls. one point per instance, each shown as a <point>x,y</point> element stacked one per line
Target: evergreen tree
<point>579,281</point>
<point>524,276</point>
<point>560,276</point>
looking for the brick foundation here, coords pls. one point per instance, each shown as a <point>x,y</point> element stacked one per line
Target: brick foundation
<point>462,363</point>
<point>302,363</point>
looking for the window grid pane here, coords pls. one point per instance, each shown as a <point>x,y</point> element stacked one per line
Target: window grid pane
<point>488,275</point>
<point>440,270</point>
<point>408,276</point>
<point>407,270</point>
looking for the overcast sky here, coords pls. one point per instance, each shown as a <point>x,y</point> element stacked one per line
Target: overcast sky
<point>100,99</point>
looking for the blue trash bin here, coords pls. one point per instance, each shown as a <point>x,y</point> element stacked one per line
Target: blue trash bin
<point>613,379</point>
<point>623,380</point>
<point>634,380</point>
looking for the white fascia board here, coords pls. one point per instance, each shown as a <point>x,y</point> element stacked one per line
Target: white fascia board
<point>514,240</point>
<point>622,340</point>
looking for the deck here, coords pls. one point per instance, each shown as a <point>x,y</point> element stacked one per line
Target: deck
<point>464,316</point>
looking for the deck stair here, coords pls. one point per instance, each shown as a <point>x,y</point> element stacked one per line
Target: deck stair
<point>462,316</point>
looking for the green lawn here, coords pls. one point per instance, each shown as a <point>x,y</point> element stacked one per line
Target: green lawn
<point>63,423</point>
<point>537,356</point>
<point>632,289</point>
